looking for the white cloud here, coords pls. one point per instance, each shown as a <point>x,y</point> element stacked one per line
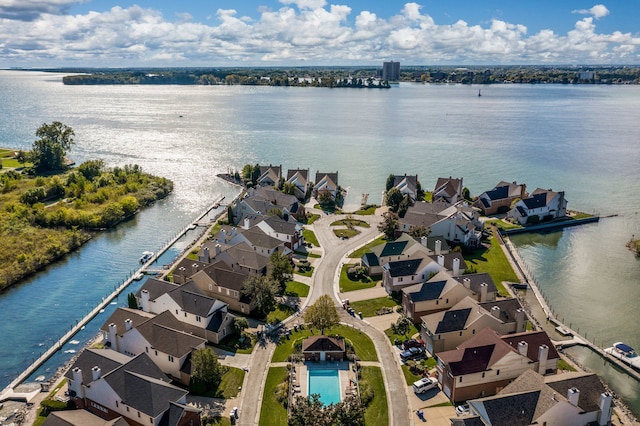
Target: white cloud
<point>28,10</point>
<point>308,32</point>
<point>598,11</point>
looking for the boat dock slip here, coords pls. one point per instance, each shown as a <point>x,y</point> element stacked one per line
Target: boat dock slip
<point>8,393</point>
<point>560,327</point>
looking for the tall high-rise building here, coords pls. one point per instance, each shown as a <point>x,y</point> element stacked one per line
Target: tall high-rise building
<point>391,71</point>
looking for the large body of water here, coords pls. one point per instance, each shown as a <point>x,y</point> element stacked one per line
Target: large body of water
<point>580,139</point>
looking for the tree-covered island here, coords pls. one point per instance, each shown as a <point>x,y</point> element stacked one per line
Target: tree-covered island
<point>48,209</point>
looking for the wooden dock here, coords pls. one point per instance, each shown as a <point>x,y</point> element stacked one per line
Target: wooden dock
<point>9,393</point>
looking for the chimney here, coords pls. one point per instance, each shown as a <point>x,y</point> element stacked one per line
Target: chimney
<point>483,292</point>
<point>573,395</point>
<point>96,373</point>
<point>423,240</point>
<point>218,249</point>
<point>77,379</point>
<point>113,336</point>
<point>466,282</point>
<point>247,223</point>
<point>495,311</point>
<point>207,255</point>
<point>543,354</point>
<point>521,321</point>
<point>523,348</point>
<point>605,409</point>
<point>223,232</point>
<point>456,267</point>
<point>438,247</point>
<point>128,324</point>
<point>441,260</point>
<point>233,231</point>
<point>145,300</point>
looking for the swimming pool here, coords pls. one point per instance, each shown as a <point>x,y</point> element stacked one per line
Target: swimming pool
<point>326,383</point>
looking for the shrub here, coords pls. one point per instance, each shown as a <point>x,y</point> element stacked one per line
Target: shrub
<point>366,393</point>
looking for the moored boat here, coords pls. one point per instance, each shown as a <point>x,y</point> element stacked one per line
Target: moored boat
<point>625,353</point>
<point>146,255</point>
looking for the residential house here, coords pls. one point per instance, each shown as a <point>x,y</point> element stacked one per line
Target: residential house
<point>407,185</point>
<point>80,418</point>
<point>417,268</point>
<point>162,337</point>
<point>240,257</point>
<point>323,348</point>
<point>326,182</point>
<point>485,363</point>
<point>445,330</point>
<point>188,303</point>
<point>448,190</point>
<point>269,175</point>
<point>442,292</point>
<point>289,205</point>
<point>223,283</point>
<point>499,199</point>
<point>572,399</point>
<point>111,385</point>
<point>300,179</point>
<point>541,205</point>
<point>287,232</point>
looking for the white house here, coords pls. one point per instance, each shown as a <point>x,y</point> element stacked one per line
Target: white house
<point>541,205</point>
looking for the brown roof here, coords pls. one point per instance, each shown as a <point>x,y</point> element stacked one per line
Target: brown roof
<point>477,353</point>
<point>534,339</point>
<point>322,344</point>
<point>120,315</point>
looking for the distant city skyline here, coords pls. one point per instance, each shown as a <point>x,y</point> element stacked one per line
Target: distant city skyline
<point>117,33</point>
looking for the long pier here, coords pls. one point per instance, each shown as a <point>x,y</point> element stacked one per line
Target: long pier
<point>9,392</point>
<point>576,338</point>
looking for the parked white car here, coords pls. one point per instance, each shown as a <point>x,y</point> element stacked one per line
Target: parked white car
<point>425,384</point>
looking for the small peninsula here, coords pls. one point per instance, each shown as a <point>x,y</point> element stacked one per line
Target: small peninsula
<point>45,214</point>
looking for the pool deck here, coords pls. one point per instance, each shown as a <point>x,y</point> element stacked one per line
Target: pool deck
<point>302,376</point>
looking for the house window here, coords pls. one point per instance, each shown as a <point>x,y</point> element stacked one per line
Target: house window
<point>446,301</point>
<point>116,404</point>
<point>219,289</point>
<point>437,301</point>
<point>156,353</point>
<point>460,379</point>
<point>198,318</point>
<point>138,413</point>
<point>473,331</point>
<point>170,358</point>
<point>400,279</point>
<point>461,334</point>
<point>185,314</point>
<point>483,374</point>
<point>210,286</point>
<point>497,372</point>
<point>176,312</point>
<point>151,420</point>
<point>146,349</point>
<point>227,292</point>
<point>127,409</point>
<point>235,293</point>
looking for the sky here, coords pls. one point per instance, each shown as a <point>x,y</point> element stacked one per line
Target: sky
<point>219,33</point>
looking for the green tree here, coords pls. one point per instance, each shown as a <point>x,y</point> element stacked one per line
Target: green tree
<point>131,301</point>
<point>389,224</point>
<point>48,152</point>
<point>325,199</point>
<point>206,368</point>
<point>466,194</point>
<point>419,231</point>
<point>404,205</point>
<point>239,325</point>
<point>263,290</point>
<point>322,314</point>
<point>22,157</point>
<point>393,199</point>
<point>91,169</point>
<point>402,325</point>
<point>280,270</point>
<point>390,179</point>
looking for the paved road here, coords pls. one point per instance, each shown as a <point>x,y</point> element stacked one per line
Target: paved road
<point>325,281</point>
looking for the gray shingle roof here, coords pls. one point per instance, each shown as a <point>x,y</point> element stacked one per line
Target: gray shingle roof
<point>476,279</point>
<point>425,291</point>
<point>107,359</point>
<point>156,288</point>
<point>169,340</point>
<point>403,268</point>
<point>120,315</point>
<point>453,320</point>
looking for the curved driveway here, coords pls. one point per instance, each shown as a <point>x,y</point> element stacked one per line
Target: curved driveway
<point>325,281</point>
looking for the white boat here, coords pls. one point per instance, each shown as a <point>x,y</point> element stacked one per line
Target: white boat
<point>70,351</point>
<point>625,353</point>
<point>138,276</point>
<point>39,379</point>
<point>146,255</point>
<point>192,226</point>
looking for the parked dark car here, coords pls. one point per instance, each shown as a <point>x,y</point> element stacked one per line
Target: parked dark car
<point>413,343</point>
<point>412,353</point>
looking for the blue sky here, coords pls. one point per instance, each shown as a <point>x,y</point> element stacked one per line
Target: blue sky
<point>51,33</point>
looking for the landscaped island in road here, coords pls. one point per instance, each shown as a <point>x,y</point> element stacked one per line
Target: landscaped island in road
<point>44,217</point>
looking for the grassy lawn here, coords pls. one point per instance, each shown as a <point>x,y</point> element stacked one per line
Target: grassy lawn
<point>228,387</point>
<point>307,254</point>
<point>312,218</point>
<point>580,215</point>
<point>272,413</point>
<point>231,343</point>
<point>357,254</point>
<point>392,336</point>
<point>564,365</point>
<point>351,222</point>
<point>369,307</point>
<point>494,262</point>
<point>409,377</point>
<point>310,237</point>
<point>428,196</point>
<point>347,284</point>
<point>367,210</point>
<point>377,413</point>
<point>362,344</point>
<point>279,314</point>
<point>306,273</point>
<point>218,421</point>
<point>346,232</point>
<point>296,289</point>
<point>502,224</point>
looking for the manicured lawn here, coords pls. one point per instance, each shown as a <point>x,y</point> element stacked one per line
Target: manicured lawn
<point>230,384</point>
<point>296,289</point>
<point>279,314</point>
<point>345,232</point>
<point>377,413</point>
<point>347,284</point>
<point>307,254</point>
<point>357,254</point>
<point>502,224</point>
<point>312,218</point>
<point>370,306</point>
<point>218,421</point>
<point>494,262</point>
<point>362,344</point>
<point>428,196</point>
<point>392,336</point>
<point>11,163</point>
<point>409,377</point>
<point>367,210</point>
<point>564,365</point>
<point>310,237</point>
<point>306,273</point>
<point>272,413</point>
<point>231,343</point>
<point>351,222</point>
